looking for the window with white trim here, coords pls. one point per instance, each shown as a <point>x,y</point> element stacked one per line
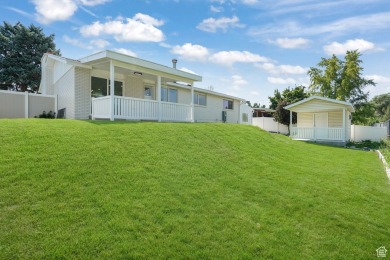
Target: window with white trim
<point>200,99</point>
<point>227,104</point>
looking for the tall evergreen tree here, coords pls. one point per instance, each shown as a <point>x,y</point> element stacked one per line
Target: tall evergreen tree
<point>21,50</point>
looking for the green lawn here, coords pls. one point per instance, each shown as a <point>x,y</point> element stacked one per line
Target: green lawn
<point>86,190</point>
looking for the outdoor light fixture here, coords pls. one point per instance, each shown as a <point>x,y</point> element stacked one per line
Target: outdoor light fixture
<point>137,73</point>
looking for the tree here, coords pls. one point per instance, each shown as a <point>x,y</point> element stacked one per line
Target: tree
<point>275,99</point>
<point>282,115</point>
<point>21,50</point>
<point>381,105</point>
<point>342,80</point>
<point>248,103</point>
<point>287,97</point>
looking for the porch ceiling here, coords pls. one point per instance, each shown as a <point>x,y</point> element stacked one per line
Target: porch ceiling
<point>105,66</point>
<point>102,60</point>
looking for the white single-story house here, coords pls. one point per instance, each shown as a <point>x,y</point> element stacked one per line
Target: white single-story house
<point>321,119</point>
<point>142,90</point>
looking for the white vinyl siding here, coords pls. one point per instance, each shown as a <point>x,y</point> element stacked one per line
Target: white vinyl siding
<point>335,119</point>
<point>65,88</point>
<point>213,111</point>
<point>134,87</point>
<point>305,120</point>
<point>82,93</point>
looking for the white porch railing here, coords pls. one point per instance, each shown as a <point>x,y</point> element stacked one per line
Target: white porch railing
<point>101,107</point>
<point>140,109</point>
<point>317,133</point>
<point>175,112</point>
<point>135,108</point>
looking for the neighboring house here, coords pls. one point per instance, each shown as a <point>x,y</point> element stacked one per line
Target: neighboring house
<point>142,90</point>
<point>263,112</point>
<point>321,119</point>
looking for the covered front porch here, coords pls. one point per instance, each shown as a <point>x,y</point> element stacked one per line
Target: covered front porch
<point>130,108</point>
<point>142,90</point>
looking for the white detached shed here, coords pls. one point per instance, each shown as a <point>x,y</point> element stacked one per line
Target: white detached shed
<point>321,119</point>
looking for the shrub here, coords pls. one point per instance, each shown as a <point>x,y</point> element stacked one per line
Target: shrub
<point>50,115</point>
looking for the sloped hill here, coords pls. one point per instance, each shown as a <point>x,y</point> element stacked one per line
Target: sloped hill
<point>82,189</point>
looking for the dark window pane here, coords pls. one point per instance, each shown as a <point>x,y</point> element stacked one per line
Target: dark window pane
<point>98,87</point>
<point>227,104</point>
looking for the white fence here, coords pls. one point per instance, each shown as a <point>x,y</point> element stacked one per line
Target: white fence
<point>373,133</point>
<point>25,105</point>
<point>268,124</point>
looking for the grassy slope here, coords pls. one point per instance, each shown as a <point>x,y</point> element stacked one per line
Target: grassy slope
<point>99,189</point>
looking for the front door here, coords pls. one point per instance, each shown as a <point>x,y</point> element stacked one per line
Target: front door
<point>321,125</point>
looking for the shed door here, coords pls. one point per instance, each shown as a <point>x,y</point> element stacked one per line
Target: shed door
<point>321,125</point>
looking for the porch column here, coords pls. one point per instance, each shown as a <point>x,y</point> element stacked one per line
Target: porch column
<point>192,104</point>
<point>112,89</point>
<point>343,133</point>
<point>159,97</point>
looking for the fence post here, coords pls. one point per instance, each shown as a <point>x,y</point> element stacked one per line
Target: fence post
<point>26,104</point>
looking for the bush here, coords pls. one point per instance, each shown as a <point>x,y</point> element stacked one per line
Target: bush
<point>50,115</point>
<point>368,144</point>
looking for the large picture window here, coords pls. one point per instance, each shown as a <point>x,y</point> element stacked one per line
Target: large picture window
<point>101,88</point>
<point>169,95</point>
<point>200,99</point>
<point>227,104</point>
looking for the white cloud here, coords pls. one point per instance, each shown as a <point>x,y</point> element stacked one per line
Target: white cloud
<point>212,24</point>
<point>99,43</point>
<point>282,69</point>
<point>146,19</point>
<point>361,24</point>
<point>238,82</point>
<point>378,79</point>
<point>48,11</point>
<point>125,51</point>
<point>93,2</point>
<point>292,43</point>
<point>250,2</point>
<point>216,9</point>
<point>140,28</point>
<point>357,44</point>
<point>91,45</point>
<point>192,52</point>
<point>255,93</point>
<point>187,70</point>
<point>228,58</point>
<point>281,81</point>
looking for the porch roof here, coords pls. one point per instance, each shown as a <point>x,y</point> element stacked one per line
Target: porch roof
<point>140,65</point>
<point>317,104</point>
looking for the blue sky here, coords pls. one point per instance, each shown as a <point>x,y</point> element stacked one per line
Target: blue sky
<point>246,48</point>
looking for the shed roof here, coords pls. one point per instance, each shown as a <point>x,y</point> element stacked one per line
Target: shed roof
<point>317,104</point>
